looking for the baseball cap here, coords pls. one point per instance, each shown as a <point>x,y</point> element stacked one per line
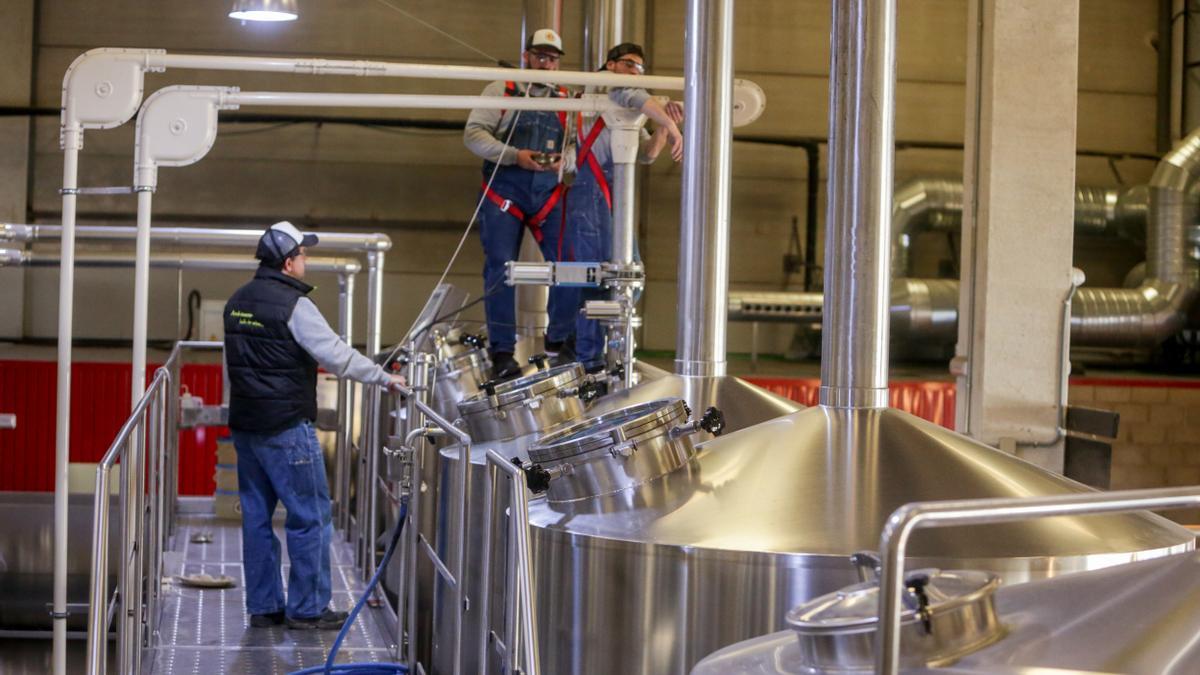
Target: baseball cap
<point>545,38</point>
<point>625,49</point>
<point>280,242</point>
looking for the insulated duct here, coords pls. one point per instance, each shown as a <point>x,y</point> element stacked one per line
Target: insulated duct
<point>1155,310</point>
<point>936,204</point>
<point>927,309</point>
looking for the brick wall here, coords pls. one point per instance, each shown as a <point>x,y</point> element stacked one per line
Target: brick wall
<point>1159,435</point>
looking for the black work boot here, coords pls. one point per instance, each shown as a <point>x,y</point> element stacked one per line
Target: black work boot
<point>504,366</point>
<point>566,354</point>
<point>329,620</point>
<point>267,620</point>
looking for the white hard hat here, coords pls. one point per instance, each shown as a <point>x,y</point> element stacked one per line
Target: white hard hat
<point>546,38</point>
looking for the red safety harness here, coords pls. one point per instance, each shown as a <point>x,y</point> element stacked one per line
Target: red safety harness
<point>585,156</point>
<point>534,222</point>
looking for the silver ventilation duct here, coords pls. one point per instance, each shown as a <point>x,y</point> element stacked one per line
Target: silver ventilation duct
<point>927,309</point>
<point>936,204</point>
<point>1155,310</point>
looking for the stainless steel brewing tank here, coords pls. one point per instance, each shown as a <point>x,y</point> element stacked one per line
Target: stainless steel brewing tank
<point>507,420</point>
<point>525,405</point>
<point>1141,617</point>
<point>653,578</point>
<point>457,377</point>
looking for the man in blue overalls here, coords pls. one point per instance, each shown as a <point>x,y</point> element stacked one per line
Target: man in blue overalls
<point>589,201</point>
<point>523,150</point>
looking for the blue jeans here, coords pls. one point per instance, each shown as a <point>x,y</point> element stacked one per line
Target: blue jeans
<point>590,239</point>
<point>500,234</point>
<point>287,467</point>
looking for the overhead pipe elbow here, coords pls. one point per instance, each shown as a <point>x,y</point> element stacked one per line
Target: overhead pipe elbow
<point>1130,317</point>
<point>923,202</point>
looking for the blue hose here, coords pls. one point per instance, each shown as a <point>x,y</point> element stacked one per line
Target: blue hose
<point>330,668</point>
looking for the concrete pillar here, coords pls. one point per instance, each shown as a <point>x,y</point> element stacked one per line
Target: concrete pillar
<point>1017,222</point>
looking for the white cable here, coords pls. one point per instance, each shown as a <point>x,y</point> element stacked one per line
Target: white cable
<point>439,31</point>
<point>512,127</point>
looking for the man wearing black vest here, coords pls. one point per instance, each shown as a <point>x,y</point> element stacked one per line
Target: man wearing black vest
<point>275,338</point>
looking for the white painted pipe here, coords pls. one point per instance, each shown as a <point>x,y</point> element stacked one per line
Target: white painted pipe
<point>592,104</point>
<point>410,70</point>
<point>72,141</point>
<point>141,295</point>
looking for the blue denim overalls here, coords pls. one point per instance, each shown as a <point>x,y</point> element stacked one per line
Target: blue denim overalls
<point>500,231</point>
<point>589,213</point>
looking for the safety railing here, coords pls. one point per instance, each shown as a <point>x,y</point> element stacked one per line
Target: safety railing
<point>422,421</point>
<point>146,448</point>
<point>520,615</point>
<point>904,521</point>
<point>140,549</point>
<point>173,366</point>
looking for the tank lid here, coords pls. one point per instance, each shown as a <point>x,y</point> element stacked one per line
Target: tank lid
<point>857,606</point>
<point>946,614</point>
<point>473,357</point>
<point>610,429</point>
<point>523,388</point>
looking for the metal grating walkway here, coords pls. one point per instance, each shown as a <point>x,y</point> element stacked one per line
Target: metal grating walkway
<point>207,631</point>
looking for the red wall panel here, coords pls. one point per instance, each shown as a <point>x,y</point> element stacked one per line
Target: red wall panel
<point>99,406</point>
<point>933,401</point>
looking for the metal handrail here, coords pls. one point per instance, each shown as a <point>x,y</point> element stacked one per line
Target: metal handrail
<point>147,506</point>
<point>130,450</point>
<point>520,610</point>
<point>433,425</point>
<point>900,525</point>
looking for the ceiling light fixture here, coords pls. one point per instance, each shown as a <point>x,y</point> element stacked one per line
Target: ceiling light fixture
<point>264,10</point>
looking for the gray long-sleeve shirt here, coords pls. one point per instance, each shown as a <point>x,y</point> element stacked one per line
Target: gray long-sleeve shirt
<point>313,333</point>
<point>602,148</point>
<point>486,129</point>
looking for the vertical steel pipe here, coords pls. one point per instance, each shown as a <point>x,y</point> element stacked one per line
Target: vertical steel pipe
<point>341,491</point>
<point>375,261</point>
<point>97,637</point>
<point>369,438</point>
<point>704,244</point>
<point>624,231</point>
<point>72,141</point>
<point>854,343</point>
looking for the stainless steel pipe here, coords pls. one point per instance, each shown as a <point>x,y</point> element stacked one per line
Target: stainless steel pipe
<point>245,238</point>
<point>705,201</point>
<point>183,261</point>
<point>854,340</point>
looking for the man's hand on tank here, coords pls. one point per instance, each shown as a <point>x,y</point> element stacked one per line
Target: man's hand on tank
<point>397,382</point>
